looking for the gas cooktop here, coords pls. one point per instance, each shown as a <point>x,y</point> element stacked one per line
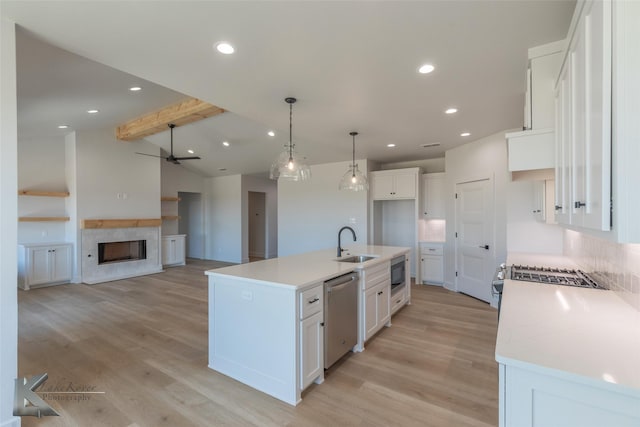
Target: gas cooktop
<point>552,276</point>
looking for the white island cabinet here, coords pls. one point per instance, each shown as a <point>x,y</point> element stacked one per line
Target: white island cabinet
<point>266,318</point>
<point>568,357</point>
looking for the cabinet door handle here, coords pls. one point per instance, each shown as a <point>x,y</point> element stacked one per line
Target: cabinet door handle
<point>578,205</point>
<point>380,293</point>
<point>558,207</point>
<point>316,299</point>
<point>484,247</point>
<point>398,302</point>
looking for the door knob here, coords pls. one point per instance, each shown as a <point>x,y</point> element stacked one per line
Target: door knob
<point>484,247</point>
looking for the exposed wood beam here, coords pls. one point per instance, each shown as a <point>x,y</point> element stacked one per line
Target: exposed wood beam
<point>187,111</point>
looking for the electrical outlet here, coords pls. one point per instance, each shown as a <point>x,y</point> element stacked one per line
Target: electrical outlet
<point>352,220</point>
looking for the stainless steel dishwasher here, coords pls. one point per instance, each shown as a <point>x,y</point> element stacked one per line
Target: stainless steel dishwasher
<point>340,317</point>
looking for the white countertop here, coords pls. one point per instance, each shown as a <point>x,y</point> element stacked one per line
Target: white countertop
<point>299,271</point>
<point>587,335</point>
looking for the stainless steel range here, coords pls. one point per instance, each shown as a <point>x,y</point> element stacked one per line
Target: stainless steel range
<point>551,276</point>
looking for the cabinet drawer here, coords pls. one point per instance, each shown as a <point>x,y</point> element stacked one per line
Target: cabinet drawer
<point>311,301</point>
<point>398,300</point>
<point>376,275</point>
<point>431,249</point>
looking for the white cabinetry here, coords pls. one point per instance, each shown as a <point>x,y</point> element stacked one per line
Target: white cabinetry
<point>532,398</point>
<point>394,184</point>
<point>44,264</point>
<point>583,113</point>
<point>173,249</point>
<point>432,262</point>
<point>311,336</point>
<point>433,196</point>
<point>375,310</point>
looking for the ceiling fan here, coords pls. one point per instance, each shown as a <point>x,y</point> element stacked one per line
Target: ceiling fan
<point>173,159</point>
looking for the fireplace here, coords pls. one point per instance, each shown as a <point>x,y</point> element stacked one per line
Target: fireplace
<point>130,250</point>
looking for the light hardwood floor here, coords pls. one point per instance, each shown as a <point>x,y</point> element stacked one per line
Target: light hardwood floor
<point>143,342</point>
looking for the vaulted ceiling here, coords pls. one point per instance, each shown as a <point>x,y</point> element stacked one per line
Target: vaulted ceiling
<point>351,64</point>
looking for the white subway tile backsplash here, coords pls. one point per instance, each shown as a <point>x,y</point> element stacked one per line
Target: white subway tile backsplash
<point>616,265</point>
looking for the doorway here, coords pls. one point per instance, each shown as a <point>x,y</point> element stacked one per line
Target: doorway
<point>475,245</point>
<point>257,225</point>
<point>191,223</point>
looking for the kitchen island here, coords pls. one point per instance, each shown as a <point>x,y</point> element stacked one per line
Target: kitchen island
<point>568,356</point>
<point>266,317</point>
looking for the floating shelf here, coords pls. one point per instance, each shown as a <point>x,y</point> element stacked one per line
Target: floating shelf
<point>43,219</point>
<point>170,217</point>
<point>121,223</point>
<point>43,193</point>
<point>169,199</point>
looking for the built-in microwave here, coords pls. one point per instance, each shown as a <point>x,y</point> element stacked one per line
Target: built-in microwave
<point>397,273</point>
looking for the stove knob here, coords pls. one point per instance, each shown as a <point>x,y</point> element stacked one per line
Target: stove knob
<point>503,266</point>
<point>501,275</point>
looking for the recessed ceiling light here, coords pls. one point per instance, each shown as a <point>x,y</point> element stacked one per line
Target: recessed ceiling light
<point>451,110</point>
<point>426,68</point>
<point>271,133</point>
<point>190,151</point>
<point>465,134</point>
<point>92,111</point>
<point>225,143</point>
<point>135,88</point>
<point>63,127</point>
<point>224,47</point>
<point>391,145</point>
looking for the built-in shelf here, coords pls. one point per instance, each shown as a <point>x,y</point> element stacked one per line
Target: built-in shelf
<point>169,199</point>
<point>43,219</point>
<point>170,217</point>
<point>121,223</point>
<point>43,193</point>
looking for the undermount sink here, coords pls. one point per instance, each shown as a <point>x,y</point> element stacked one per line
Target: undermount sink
<point>356,259</point>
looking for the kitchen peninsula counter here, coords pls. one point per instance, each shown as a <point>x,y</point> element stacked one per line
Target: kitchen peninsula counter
<point>568,356</point>
<point>266,318</point>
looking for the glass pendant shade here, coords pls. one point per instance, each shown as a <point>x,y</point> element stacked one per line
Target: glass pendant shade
<point>353,179</point>
<point>289,165</point>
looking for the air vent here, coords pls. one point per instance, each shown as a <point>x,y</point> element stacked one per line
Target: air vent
<point>433,144</point>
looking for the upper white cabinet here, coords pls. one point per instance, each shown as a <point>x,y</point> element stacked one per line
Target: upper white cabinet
<point>394,184</point>
<point>44,264</point>
<point>433,196</point>
<point>583,116</point>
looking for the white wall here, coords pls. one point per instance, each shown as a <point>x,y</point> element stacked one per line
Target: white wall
<point>223,218</point>
<point>71,203</point>
<point>524,233</point>
<point>8,220</point>
<point>41,166</point>
<point>270,188</point>
<point>311,213</point>
<point>427,165</point>
<point>484,158</point>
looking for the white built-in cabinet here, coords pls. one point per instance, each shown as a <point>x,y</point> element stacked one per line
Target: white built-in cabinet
<point>44,264</point>
<point>311,336</point>
<point>583,118</point>
<point>432,263</point>
<point>173,250</point>
<point>531,398</point>
<point>394,184</point>
<point>433,195</point>
<point>375,300</point>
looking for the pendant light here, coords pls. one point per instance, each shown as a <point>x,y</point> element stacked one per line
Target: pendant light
<point>289,165</point>
<point>353,179</point>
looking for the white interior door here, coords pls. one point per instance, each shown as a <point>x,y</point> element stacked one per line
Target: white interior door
<point>475,260</point>
<point>191,223</point>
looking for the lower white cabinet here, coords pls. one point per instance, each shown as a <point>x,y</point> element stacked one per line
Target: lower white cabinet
<point>431,263</point>
<point>375,300</point>
<point>173,250</point>
<point>44,264</point>
<point>311,336</point>
<point>534,399</point>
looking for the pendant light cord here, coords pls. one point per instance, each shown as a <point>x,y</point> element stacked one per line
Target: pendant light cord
<point>290,131</point>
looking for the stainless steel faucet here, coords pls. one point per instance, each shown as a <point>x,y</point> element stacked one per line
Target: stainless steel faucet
<point>339,233</point>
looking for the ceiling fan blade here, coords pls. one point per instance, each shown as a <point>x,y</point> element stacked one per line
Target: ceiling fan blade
<point>188,158</point>
<point>150,155</point>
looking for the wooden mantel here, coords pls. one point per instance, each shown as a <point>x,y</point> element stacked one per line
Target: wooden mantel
<point>121,223</point>
<point>181,113</point>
